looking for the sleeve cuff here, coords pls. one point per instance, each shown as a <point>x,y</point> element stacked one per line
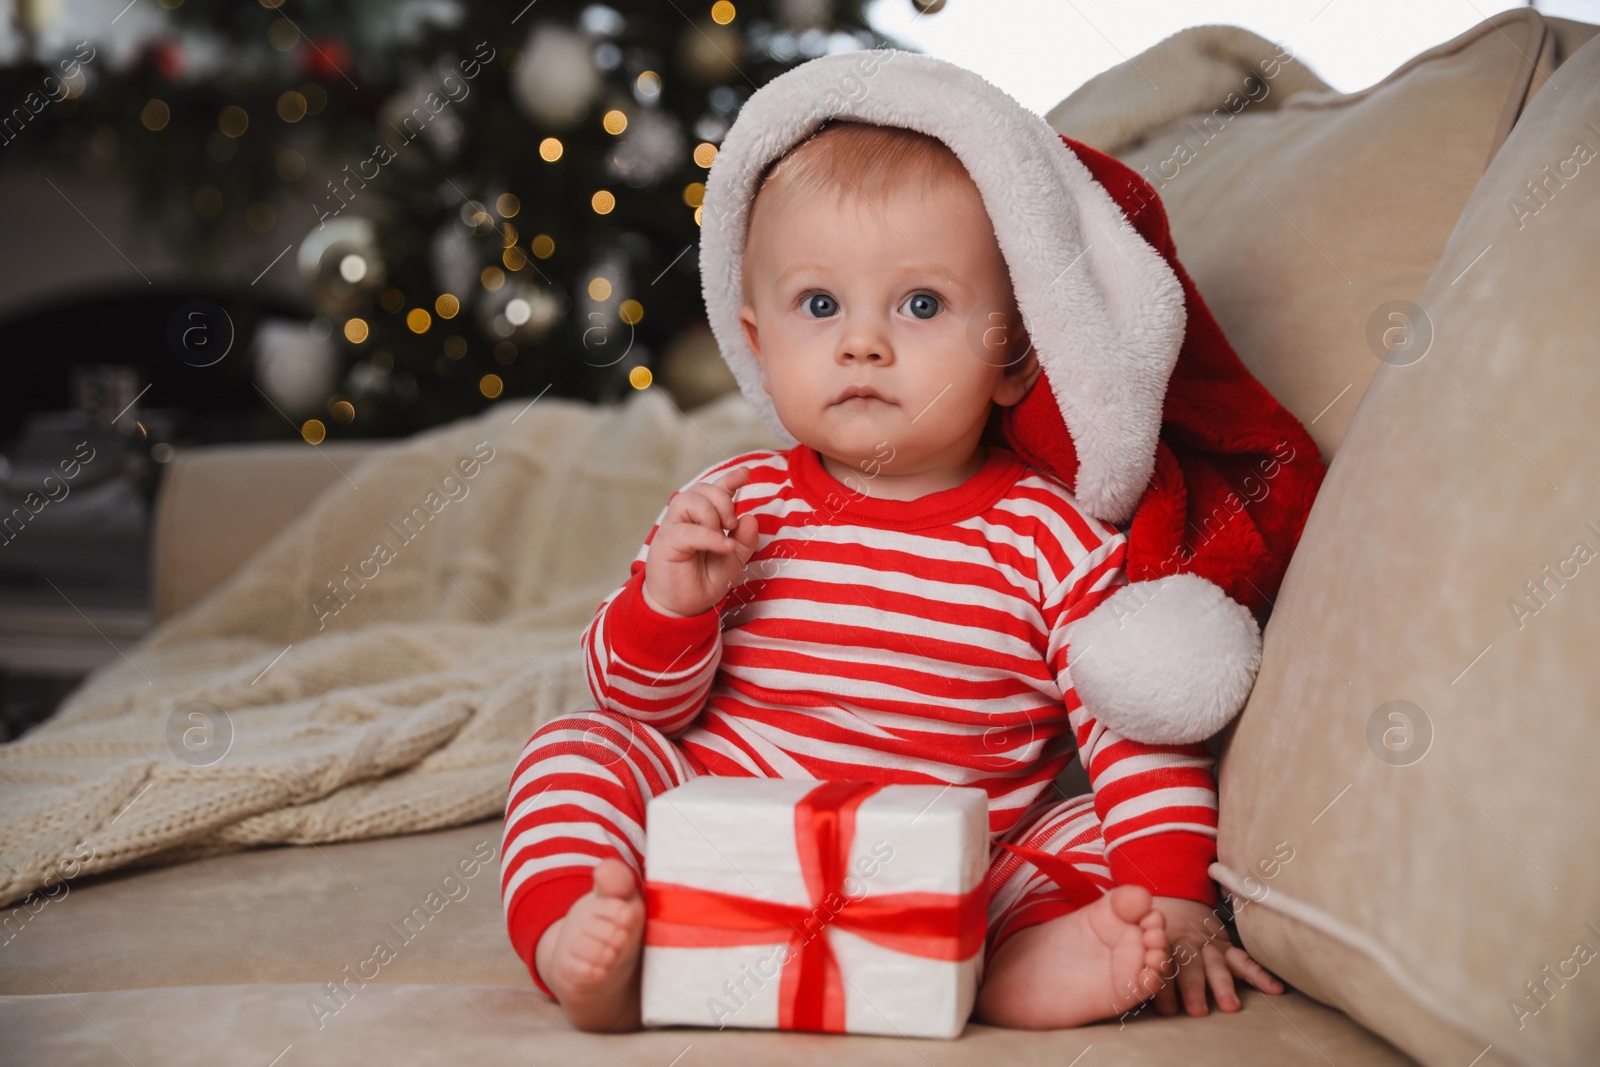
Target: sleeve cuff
<point>531,917</point>
<point>650,641</point>
<point>1172,864</point>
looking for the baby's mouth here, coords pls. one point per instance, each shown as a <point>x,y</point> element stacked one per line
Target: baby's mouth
<point>854,396</point>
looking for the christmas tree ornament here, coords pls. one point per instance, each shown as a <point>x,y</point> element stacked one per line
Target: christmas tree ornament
<point>365,379</point>
<point>295,364</point>
<point>711,128</point>
<point>454,258</point>
<point>520,311</point>
<point>928,7</point>
<point>74,82</point>
<point>607,56</point>
<point>652,148</point>
<point>34,17</point>
<point>426,108</point>
<point>165,57</point>
<point>477,218</point>
<point>692,368</point>
<point>802,15</point>
<point>339,263</point>
<point>602,21</point>
<point>325,58</point>
<point>710,54</point>
<point>207,56</point>
<point>557,82</point>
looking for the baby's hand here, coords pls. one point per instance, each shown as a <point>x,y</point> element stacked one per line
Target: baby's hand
<point>1200,947</point>
<point>692,562</point>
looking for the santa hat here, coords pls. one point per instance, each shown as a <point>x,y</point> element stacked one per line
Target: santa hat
<point>1142,409</point>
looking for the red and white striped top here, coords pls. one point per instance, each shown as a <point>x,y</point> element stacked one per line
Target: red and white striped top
<point>920,641</point>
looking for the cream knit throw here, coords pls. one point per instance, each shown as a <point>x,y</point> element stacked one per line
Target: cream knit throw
<point>407,711</point>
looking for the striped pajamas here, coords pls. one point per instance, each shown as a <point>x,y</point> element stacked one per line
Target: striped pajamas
<point>920,642</point>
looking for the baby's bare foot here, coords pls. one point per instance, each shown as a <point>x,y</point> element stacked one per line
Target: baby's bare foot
<point>1093,963</point>
<point>590,957</point>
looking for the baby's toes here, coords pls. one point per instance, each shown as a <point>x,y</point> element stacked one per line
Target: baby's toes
<point>605,914</point>
<point>583,967</point>
<point>586,970</point>
<point>613,939</point>
<point>602,947</point>
<point>625,913</point>
<point>1149,978</point>
<point>1131,903</point>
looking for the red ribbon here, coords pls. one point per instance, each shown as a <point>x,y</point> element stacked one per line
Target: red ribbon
<point>940,926</point>
<point>1076,887</point>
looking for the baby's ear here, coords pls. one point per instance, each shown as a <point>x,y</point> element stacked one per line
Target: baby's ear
<point>747,319</point>
<point>1019,376</point>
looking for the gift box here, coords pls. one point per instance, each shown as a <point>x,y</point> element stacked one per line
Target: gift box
<point>802,905</point>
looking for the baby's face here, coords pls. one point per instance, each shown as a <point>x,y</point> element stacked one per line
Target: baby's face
<point>908,297</point>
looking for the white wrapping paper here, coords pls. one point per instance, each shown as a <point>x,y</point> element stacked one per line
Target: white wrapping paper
<point>737,835</point>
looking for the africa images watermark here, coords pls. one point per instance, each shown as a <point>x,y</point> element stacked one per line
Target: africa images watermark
<point>1540,991</point>
<point>1257,88</point>
<point>1256,489</point>
<point>1538,195</point>
<point>1541,592</point>
<point>751,980</point>
<point>411,524</point>
<point>430,105</point>
<point>55,888</point>
<point>56,89</point>
<point>54,489</point>
<point>452,887</point>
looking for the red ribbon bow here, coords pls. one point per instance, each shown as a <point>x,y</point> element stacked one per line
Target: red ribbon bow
<point>940,926</point>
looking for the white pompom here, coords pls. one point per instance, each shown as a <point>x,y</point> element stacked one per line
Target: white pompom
<point>1167,661</point>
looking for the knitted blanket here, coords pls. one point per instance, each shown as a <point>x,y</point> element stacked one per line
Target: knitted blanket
<point>377,667</point>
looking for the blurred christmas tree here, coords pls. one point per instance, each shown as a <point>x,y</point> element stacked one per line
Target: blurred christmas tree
<point>504,198</point>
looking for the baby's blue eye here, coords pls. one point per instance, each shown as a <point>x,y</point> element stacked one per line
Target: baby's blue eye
<point>821,304</point>
<point>923,305</point>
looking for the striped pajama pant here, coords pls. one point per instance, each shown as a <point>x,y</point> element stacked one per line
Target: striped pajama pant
<point>579,793</point>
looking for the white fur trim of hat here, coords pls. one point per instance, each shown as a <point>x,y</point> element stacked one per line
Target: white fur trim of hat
<point>1103,310</point>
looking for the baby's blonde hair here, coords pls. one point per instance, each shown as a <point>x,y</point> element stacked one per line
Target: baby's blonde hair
<point>856,158</point>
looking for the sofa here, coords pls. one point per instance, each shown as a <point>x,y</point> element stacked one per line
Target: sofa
<point>1408,799</point>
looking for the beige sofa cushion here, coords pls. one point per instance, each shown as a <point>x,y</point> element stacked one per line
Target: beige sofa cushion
<point>1301,225</point>
<point>252,1026</point>
<point>292,914</point>
<point>226,959</point>
<point>247,493</point>
<point>1422,736</point>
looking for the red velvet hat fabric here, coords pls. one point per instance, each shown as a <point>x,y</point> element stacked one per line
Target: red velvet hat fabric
<point>1235,472</point>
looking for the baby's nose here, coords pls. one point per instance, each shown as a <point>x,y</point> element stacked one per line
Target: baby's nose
<point>864,339</point>
<point>862,350</point>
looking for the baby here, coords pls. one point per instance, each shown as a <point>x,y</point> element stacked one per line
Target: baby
<point>887,600</point>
